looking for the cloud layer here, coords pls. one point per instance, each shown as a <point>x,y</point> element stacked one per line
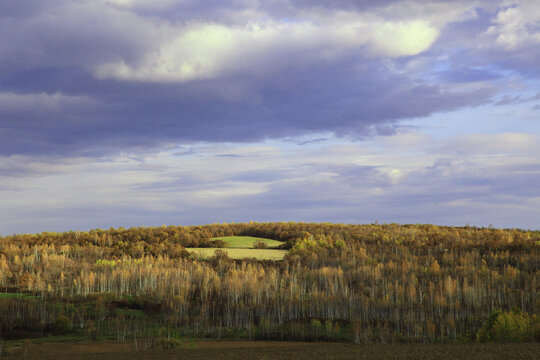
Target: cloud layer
<point>478,179</point>
<point>196,111</point>
<point>240,70</point>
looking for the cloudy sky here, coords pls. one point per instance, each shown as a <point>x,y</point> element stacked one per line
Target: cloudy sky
<point>149,112</point>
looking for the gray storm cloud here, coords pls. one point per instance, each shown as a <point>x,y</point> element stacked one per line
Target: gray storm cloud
<point>241,71</point>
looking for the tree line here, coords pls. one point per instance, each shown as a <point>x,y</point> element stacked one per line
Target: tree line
<point>361,283</point>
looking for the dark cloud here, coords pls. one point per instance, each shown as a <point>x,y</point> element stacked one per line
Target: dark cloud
<point>311,141</point>
<point>229,156</point>
<point>227,11</point>
<point>521,61</point>
<point>509,100</point>
<point>55,48</point>
<point>295,102</point>
<point>24,8</point>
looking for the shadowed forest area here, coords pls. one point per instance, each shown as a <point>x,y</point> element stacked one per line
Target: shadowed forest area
<point>338,283</point>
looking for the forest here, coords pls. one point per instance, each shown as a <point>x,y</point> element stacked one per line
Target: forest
<point>375,283</point>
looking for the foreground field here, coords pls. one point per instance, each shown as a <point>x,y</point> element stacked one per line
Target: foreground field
<point>247,242</point>
<point>259,254</point>
<point>279,350</point>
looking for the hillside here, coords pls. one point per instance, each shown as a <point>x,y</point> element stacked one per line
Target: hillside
<point>354,283</point>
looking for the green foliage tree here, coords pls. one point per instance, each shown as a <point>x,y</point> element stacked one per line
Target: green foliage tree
<point>511,326</point>
<point>316,327</point>
<point>259,244</point>
<point>62,323</point>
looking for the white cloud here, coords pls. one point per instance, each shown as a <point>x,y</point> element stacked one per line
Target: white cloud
<point>245,37</point>
<point>399,39</point>
<point>516,26</point>
<point>437,12</point>
<point>502,143</point>
<point>201,50</point>
<point>256,42</point>
<point>444,182</point>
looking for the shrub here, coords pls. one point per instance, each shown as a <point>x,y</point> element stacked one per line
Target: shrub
<point>62,323</point>
<point>91,330</point>
<point>221,254</point>
<point>220,258</point>
<point>513,326</point>
<point>218,243</point>
<point>259,244</point>
<point>316,326</point>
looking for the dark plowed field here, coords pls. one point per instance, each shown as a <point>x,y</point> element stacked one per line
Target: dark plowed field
<point>216,350</point>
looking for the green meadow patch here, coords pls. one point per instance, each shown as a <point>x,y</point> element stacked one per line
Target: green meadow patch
<point>241,247</point>
<point>234,253</point>
<point>247,242</point>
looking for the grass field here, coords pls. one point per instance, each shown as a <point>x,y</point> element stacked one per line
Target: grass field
<point>247,242</point>
<point>211,349</point>
<point>241,247</point>
<point>259,254</point>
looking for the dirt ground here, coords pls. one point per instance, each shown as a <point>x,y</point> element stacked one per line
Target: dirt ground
<point>217,350</point>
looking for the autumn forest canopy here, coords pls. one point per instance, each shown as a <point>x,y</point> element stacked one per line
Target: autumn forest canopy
<point>352,283</point>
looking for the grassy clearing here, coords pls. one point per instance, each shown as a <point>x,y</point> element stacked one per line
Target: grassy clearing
<point>259,254</point>
<point>247,242</point>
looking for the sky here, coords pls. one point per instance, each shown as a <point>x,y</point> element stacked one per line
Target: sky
<point>182,112</point>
